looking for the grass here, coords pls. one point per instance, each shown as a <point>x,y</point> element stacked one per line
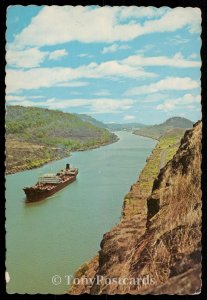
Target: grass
<point>175,245</point>
<point>169,142</point>
<point>26,155</point>
<point>81,271</point>
<point>151,169</point>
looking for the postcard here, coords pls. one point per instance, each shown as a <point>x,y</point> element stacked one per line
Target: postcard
<point>103,150</point>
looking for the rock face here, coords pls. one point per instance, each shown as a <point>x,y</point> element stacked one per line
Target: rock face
<point>160,244</point>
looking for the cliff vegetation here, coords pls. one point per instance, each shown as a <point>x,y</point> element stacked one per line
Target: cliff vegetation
<point>160,231</point>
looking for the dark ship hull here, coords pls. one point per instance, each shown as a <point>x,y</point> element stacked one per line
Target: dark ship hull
<point>38,193</point>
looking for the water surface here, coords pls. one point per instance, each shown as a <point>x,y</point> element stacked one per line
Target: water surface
<point>57,235</point>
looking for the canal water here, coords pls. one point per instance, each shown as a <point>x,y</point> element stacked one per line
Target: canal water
<point>57,235</point>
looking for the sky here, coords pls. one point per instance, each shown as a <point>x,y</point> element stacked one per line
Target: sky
<point>116,64</point>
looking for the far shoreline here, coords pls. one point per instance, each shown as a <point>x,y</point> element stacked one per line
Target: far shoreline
<point>7,173</point>
<point>144,135</point>
<point>78,150</point>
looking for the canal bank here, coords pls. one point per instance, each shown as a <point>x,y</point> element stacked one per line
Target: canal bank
<point>134,218</point>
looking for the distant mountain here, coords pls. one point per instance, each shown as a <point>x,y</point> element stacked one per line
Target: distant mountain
<point>156,131</point>
<point>89,119</point>
<point>126,126</point>
<point>178,122</point>
<point>110,126</point>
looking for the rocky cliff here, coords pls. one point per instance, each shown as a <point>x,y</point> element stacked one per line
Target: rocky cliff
<point>158,240</point>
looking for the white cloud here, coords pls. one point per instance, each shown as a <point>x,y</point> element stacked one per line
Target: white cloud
<point>36,97</point>
<point>188,101</point>
<point>194,56</point>
<point>145,49</point>
<point>27,103</point>
<point>98,105</point>
<point>177,40</point>
<point>155,97</point>
<point>110,49</point>
<point>128,118</point>
<point>169,83</point>
<point>131,67</point>
<point>140,12</point>
<point>111,105</point>
<point>57,54</point>
<point>102,93</point>
<point>46,77</point>
<point>117,68</point>
<point>176,61</point>
<point>113,48</point>
<point>124,47</point>
<point>73,84</point>
<point>28,58</point>
<point>17,98</point>
<point>83,55</point>
<point>174,19</point>
<point>101,24</point>
<point>31,57</point>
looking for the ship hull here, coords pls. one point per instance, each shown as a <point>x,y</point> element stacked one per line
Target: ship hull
<point>38,194</point>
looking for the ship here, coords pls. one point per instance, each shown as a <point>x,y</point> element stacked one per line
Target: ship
<point>49,184</point>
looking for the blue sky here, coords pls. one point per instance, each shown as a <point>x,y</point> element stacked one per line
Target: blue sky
<point>117,64</point>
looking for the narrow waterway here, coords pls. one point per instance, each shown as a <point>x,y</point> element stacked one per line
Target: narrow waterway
<point>57,235</point>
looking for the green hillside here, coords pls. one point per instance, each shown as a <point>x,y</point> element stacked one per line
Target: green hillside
<point>156,131</point>
<point>178,122</point>
<point>91,120</point>
<point>37,135</point>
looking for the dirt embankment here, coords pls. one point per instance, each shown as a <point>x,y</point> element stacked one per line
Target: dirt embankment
<point>23,155</point>
<point>159,234</point>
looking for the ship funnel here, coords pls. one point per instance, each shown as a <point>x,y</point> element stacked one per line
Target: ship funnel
<point>67,166</point>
